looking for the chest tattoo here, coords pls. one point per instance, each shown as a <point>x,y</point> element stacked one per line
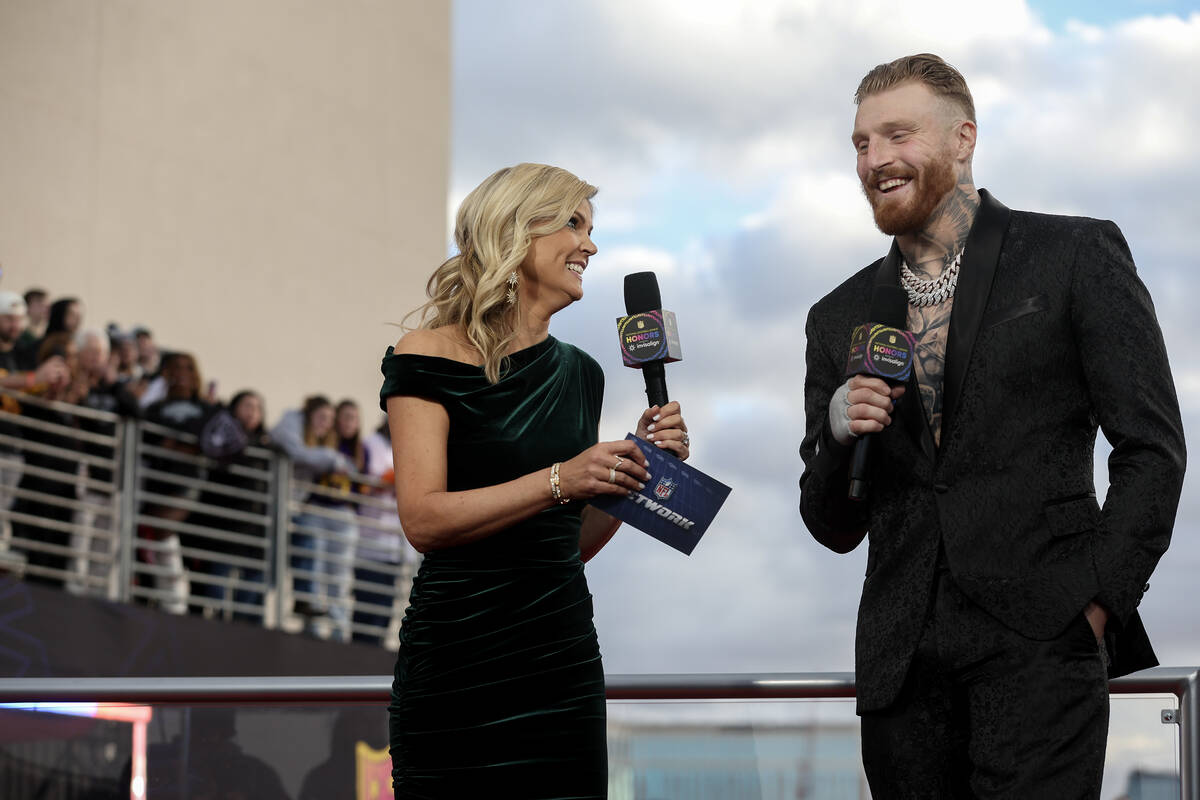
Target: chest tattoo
<point>931,327</point>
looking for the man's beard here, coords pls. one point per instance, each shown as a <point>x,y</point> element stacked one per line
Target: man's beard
<point>930,187</point>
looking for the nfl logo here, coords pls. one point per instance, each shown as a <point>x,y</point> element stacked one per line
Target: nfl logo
<point>665,488</point>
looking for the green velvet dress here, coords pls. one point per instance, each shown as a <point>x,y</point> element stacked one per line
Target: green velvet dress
<point>499,689</point>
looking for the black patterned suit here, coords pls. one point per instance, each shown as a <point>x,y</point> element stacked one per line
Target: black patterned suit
<point>1051,335</point>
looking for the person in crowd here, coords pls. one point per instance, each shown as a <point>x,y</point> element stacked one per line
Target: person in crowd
<point>37,310</point>
<point>65,316</point>
<point>380,543</point>
<point>124,356</point>
<point>248,411</point>
<point>149,356</point>
<point>326,529</point>
<point>93,547</point>
<point>182,409</point>
<point>347,425</point>
<point>45,546</point>
<point>14,377</point>
<point>12,324</point>
<point>15,374</point>
<point>499,688</point>
<point>151,362</point>
<point>1000,595</point>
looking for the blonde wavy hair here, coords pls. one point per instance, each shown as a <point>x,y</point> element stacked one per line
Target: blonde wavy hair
<point>493,229</point>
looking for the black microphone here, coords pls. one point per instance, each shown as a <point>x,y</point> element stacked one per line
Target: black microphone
<point>883,348</point>
<point>648,335</point>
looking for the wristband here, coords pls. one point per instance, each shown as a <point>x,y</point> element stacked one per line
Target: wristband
<point>555,489</point>
<point>839,416</point>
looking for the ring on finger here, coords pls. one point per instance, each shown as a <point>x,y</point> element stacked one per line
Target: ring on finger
<point>612,474</point>
<point>620,461</point>
<point>687,440</point>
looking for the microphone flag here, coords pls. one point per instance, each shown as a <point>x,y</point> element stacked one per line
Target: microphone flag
<point>881,351</point>
<point>649,336</point>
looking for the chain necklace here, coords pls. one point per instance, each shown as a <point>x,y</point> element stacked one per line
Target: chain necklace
<point>923,293</point>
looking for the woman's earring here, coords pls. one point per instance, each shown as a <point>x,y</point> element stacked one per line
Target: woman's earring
<point>512,287</point>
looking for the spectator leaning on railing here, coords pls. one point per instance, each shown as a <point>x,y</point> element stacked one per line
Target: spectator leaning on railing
<point>47,566</point>
<point>183,408</point>
<point>347,424</point>
<point>247,411</point>
<point>14,373</point>
<point>309,439</point>
<point>12,320</point>
<point>378,541</point>
<point>94,388</point>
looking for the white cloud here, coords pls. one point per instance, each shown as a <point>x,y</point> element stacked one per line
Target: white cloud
<point>687,112</point>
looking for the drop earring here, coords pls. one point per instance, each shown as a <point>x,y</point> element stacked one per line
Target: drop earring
<point>512,287</point>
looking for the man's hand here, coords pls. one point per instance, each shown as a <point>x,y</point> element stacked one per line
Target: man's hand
<point>862,405</point>
<point>1097,617</point>
<point>53,373</point>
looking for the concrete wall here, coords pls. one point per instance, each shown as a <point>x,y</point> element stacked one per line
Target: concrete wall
<point>261,183</point>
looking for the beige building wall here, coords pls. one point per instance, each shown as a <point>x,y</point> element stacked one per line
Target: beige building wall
<point>262,183</point>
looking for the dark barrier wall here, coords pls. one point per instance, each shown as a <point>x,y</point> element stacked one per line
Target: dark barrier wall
<point>47,633</point>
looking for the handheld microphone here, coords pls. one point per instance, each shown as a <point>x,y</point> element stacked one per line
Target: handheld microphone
<point>648,335</point>
<point>882,348</point>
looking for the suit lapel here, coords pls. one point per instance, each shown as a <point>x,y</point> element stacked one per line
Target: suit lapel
<point>970,298</point>
<point>909,406</point>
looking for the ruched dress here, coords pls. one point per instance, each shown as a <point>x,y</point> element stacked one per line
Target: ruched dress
<point>499,689</point>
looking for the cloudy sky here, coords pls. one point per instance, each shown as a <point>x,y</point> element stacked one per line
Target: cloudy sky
<point>718,134</point>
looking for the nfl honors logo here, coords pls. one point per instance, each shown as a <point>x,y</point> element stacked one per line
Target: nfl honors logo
<point>665,488</point>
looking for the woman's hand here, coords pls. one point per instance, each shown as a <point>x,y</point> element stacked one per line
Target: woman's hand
<point>605,468</point>
<point>664,427</point>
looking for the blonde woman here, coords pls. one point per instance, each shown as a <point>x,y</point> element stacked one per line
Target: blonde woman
<point>499,689</point>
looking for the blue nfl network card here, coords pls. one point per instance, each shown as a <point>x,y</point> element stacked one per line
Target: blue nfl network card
<point>677,505</point>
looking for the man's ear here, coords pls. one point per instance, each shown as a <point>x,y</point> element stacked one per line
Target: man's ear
<point>965,140</point>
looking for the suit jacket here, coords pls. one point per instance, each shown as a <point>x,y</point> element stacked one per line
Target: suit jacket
<point>1051,334</point>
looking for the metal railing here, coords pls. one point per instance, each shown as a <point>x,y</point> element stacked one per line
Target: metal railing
<point>132,511</point>
<point>1182,682</point>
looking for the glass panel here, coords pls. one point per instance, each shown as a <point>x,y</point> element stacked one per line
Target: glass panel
<point>781,750</point>
<point>664,750</point>
<point>784,749</point>
<point>59,755</point>
<point>1143,753</point>
<point>196,753</point>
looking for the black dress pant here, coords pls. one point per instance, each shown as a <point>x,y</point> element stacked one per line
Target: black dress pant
<point>988,713</point>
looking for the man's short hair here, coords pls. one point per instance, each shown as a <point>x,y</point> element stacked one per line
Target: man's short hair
<point>35,295</point>
<point>941,78</point>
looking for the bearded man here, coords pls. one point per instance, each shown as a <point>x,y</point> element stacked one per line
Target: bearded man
<point>999,594</point>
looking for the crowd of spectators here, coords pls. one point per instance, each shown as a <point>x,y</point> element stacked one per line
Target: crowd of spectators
<point>47,352</point>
